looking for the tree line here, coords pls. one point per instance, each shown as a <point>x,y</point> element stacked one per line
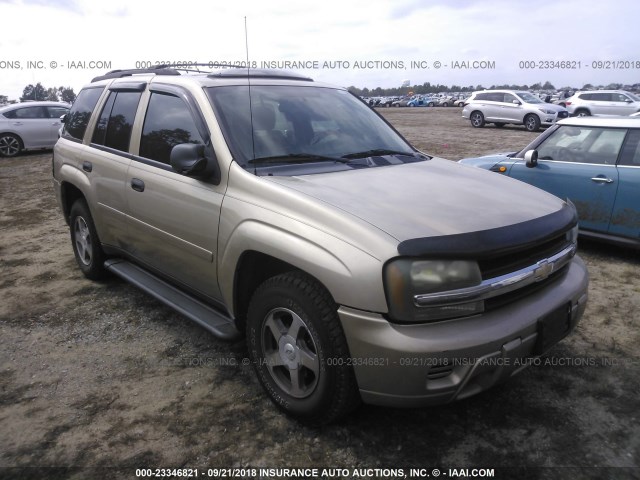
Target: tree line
<point>39,92</point>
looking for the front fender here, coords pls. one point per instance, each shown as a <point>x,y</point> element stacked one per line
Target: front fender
<point>352,277</point>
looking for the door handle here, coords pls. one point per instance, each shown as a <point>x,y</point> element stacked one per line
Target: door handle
<point>137,184</point>
<point>87,166</point>
<point>601,180</point>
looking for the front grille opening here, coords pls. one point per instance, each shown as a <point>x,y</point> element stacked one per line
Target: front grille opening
<point>503,264</point>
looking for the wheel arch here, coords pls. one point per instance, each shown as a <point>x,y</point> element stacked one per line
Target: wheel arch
<point>69,194</point>
<point>252,270</point>
<point>15,134</point>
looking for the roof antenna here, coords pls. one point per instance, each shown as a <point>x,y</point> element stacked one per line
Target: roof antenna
<point>253,142</point>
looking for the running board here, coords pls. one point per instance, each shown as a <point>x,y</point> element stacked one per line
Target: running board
<point>213,320</point>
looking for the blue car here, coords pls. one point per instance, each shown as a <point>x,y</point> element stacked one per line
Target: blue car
<point>592,161</point>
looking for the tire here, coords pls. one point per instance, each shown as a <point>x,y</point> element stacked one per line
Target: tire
<point>10,145</point>
<point>477,119</point>
<point>431,104</point>
<point>293,333</point>
<point>85,242</point>
<point>583,113</point>
<point>499,125</point>
<point>532,122</point>
<point>445,104</point>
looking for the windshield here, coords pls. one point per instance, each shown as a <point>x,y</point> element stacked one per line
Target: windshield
<point>635,98</point>
<point>294,123</point>
<point>529,98</point>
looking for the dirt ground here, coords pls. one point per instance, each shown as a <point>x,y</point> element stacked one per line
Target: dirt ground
<point>99,379</point>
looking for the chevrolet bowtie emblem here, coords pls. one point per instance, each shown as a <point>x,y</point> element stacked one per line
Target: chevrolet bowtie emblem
<point>543,270</point>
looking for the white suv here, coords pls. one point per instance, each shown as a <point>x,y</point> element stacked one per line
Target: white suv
<point>508,106</point>
<point>603,102</point>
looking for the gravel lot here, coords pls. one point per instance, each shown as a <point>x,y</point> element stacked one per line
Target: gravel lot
<point>99,376</point>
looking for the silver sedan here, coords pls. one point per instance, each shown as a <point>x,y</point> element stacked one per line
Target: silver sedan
<point>30,125</point>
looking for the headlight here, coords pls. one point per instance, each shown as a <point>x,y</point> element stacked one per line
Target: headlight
<point>548,112</point>
<point>572,235</point>
<point>406,278</point>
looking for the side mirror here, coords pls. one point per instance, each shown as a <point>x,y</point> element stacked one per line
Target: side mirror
<point>531,158</point>
<point>195,160</point>
<point>516,102</point>
<point>63,118</point>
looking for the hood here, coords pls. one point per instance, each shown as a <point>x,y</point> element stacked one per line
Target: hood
<point>487,161</point>
<point>424,199</point>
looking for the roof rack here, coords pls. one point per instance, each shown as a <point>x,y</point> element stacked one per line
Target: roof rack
<point>237,72</point>
<point>159,70</point>
<point>230,71</point>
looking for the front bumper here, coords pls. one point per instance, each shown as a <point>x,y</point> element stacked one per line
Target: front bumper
<point>547,119</point>
<point>429,364</point>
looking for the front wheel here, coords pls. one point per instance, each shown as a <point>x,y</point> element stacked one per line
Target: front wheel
<point>298,349</point>
<point>10,145</point>
<point>477,119</point>
<point>532,123</point>
<point>85,242</point>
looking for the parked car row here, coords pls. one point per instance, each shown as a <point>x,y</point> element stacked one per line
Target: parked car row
<point>501,107</point>
<point>417,101</point>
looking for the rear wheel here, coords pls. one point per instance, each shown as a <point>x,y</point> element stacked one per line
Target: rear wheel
<point>298,349</point>
<point>85,242</point>
<point>532,123</point>
<point>10,145</point>
<point>583,113</point>
<point>477,119</point>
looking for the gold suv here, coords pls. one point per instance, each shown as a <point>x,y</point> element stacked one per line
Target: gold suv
<point>262,203</point>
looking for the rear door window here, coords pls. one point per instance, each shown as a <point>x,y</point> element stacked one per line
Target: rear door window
<point>114,127</point>
<point>26,113</point>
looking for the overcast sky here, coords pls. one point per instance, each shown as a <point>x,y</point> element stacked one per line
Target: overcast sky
<point>58,35</point>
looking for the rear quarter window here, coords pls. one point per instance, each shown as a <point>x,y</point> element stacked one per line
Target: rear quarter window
<point>78,118</point>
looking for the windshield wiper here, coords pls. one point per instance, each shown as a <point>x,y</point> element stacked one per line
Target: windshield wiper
<point>377,152</point>
<point>296,158</point>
